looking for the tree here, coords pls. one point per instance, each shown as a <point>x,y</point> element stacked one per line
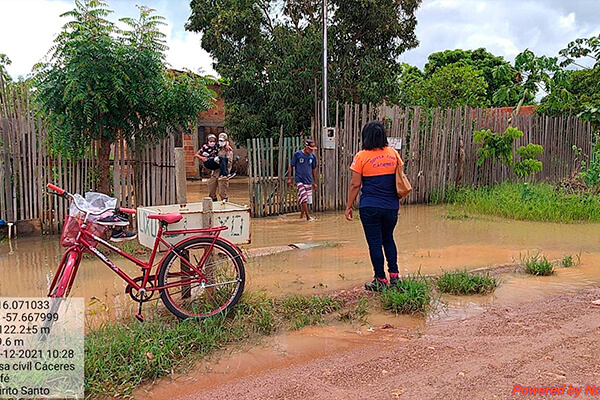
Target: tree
<point>409,89</point>
<point>102,84</point>
<point>455,86</point>
<point>489,65</point>
<point>270,51</point>
<point>582,47</point>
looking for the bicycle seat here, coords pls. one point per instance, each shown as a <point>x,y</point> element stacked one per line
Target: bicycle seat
<point>170,218</point>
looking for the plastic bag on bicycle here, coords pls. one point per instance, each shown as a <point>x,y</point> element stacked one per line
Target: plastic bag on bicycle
<point>93,202</point>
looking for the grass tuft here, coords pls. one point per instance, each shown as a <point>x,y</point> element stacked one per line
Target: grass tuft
<point>300,311</point>
<point>411,295</point>
<point>570,260</point>
<point>358,313</point>
<point>537,265</point>
<point>463,283</point>
<point>528,202</point>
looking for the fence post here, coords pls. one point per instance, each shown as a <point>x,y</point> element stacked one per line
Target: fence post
<point>180,182</point>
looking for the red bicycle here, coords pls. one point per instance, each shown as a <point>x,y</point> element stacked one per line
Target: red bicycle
<point>198,277</point>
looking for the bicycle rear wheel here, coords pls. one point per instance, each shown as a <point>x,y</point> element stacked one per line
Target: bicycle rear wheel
<point>192,297</point>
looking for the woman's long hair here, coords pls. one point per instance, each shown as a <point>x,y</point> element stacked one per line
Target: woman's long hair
<point>373,136</point>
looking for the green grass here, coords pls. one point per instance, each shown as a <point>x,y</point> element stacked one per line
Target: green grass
<point>121,356</point>
<point>570,260</point>
<point>537,264</point>
<point>463,283</point>
<point>531,202</point>
<point>412,295</point>
<point>358,313</point>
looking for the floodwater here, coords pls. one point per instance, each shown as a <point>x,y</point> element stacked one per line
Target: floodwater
<point>426,241</point>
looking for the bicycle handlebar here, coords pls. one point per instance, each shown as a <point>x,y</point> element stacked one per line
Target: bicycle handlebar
<point>56,188</point>
<point>127,210</point>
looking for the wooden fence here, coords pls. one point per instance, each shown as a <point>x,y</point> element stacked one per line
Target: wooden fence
<point>267,183</point>
<point>432,143</point>
<point>142,177</point>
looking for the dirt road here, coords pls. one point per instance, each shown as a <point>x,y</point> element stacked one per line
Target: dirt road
<point>550,342</point>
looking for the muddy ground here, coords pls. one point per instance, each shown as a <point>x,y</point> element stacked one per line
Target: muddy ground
<point>547,342</point>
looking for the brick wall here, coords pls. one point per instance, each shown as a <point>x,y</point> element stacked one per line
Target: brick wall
<point>209,121</point>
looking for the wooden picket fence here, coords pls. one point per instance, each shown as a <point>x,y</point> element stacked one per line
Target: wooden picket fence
<point>142,177</point>
<point>267,183</point>
<point>433,141</point>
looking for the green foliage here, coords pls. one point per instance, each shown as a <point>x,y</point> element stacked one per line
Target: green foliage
<point>529,163</point>
<point>455,85</point>
<point>590,170</point>
<point>579,48</point>
<point>4,61</point>
<point>119,357</point>
<point>409,91</point>
<point>271,56</point>
<point>537,265</point>
<point>530,202</point>
<point>496,146</point>
<point>498,74</point>
<point>411,295</point>
<point>102,83</point>
<point>306,310</point>
<point>500,148</point>
<point>570,260</point>
<point>463,282</point>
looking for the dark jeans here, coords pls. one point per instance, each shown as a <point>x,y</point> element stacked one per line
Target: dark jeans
<point>378,224</point>
<point>222,165</point>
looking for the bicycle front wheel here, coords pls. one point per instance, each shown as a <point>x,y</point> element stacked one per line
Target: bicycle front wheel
<point>191,296</point>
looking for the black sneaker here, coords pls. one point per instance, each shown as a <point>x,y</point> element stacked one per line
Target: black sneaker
<point>394,278</point>
<point>121,235</point>
<point>113,220</point>
<point>377,285</point>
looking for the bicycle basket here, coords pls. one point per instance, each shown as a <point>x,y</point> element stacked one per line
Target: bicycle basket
<point>73,226</point>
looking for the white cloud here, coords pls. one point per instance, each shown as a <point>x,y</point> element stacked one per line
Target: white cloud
<point>28,29</point>
<point>568,21</point>
<point>504,27</point>
<point>185,52</point>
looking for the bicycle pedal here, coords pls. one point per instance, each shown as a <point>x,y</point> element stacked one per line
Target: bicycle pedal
<point>139,317</point>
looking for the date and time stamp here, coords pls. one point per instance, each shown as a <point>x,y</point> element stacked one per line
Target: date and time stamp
<point>41,348</point>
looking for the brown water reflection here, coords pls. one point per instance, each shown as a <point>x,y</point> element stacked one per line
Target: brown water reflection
<point>426,242</point>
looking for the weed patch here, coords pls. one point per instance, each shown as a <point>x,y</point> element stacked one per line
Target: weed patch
<point>121,356</point>
<point>570,260</point>
<point>463,283</point>
<point>411,295</point>
<point>531,202</point>
<point>537,265</point>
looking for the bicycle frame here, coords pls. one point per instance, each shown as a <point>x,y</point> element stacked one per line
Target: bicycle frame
<point>84,237</point>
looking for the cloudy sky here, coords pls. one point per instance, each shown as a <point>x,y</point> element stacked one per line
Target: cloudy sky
<point>504,27</point>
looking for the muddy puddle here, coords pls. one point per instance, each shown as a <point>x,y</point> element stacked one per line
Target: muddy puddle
<point>332,256</point>
<point>283,350</point>
<point>427,242</point>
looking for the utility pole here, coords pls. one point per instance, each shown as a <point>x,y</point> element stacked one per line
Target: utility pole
<point>325,108</point>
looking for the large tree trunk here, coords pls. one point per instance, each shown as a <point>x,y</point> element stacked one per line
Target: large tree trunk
<point>104,166</point>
